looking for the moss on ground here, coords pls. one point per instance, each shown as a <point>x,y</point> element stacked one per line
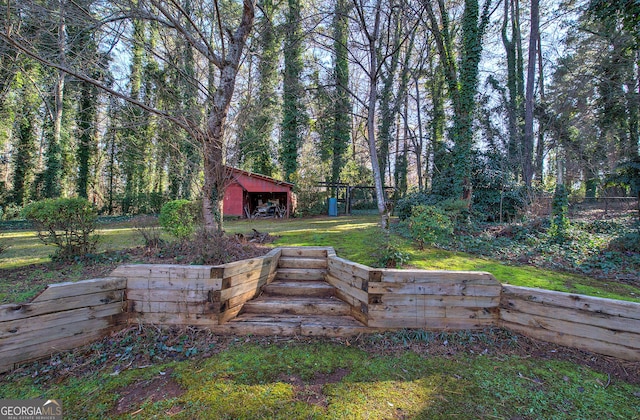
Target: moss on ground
<point>326,380</point>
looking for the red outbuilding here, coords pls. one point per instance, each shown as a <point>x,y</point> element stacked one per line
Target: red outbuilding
<point>255,195</point>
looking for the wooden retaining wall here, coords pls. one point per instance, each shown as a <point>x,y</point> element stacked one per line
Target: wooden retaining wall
<point>243,280</point>
<point>69,315</point>
<point>439,300</point>
<point>604,326</point>
<point>351,281</point>
<point>166,294</point>
<point>435,300</point>
<point>447,300</point>
<point>64,316</point>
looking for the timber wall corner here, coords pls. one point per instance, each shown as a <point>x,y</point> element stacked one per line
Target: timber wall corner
<point>69,315</point>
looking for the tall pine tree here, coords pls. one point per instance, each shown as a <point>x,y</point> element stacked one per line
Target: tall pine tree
<point>294,117</point>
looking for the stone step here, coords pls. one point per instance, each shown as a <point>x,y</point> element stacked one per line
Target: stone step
<point>299,288</point>
<point>324,326</point>
<point>297,306</point>
<point>295,262</point>
<point>316,274</point>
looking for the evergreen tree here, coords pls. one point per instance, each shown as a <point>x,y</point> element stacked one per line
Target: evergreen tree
<point>256,141</point>
<point>25,147</point>
<point>341,132</point>
<point>294,117</point>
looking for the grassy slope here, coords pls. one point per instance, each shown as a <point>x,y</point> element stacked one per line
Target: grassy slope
<point>359,239</point>
<point>356,238</point>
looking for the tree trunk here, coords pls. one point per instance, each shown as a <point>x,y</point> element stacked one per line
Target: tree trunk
<point>371,117</point>
<point>215,172</point>
<point>539,159</point>
<point>53,172</point>
<point>418,144</point>
<point>527,168</point>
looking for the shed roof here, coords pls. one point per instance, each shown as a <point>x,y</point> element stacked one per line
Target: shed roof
<point>252,182</point>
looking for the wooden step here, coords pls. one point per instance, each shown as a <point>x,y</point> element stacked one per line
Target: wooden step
<point>332,326</point>
<point>299,288</point>
<point>326,326</point>
<point>294,262</point>
<point>305,252</point>
<point>297,306</point>
<point>316,274</point>
<point>252,326</point>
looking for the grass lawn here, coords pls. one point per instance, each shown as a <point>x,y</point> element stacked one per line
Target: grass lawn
<point>407,374</point>
<point>292,379</point>
<point>356,238</point>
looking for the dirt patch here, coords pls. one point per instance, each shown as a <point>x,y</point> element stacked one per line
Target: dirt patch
<point>210,248</point>
<point>144,346</point>
<point>311,391</point>
<point>24,283</point>
<point>158,388</point>
<point>498,343</point>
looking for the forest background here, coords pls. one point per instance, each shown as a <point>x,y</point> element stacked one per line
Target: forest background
<point>134,103</point>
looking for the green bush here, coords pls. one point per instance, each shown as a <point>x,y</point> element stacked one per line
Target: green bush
<point>3,244</point>
<point>627,241</point>
<point>405,205</point>
<point>391,256</point>
<point>67,223</point>
<point>180,218</point>
<point>10,212</point>
<point>559,214</point>
<point>430,224</point>
<point>310,201</point>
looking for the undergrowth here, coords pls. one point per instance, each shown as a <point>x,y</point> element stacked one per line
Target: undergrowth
<point>599,248</point>
<point>405,374</point>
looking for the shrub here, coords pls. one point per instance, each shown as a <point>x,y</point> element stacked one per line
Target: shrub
<point>458,211</point>
<point>10,212</point>
<point>3,244</point>
<point>390,255</point>
<point>180,218</point>
<point>559,214</point>
<point>405,205</point>
<point>628,241</point>
<point>67,223</point>
<point>429,224</point>
<point>309,199</point>
<point>147,227</point>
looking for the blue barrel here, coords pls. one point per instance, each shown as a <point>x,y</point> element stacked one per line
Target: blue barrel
<point>333,206</point>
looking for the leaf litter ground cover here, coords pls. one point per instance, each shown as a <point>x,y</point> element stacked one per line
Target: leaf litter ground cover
<point>188,373</point>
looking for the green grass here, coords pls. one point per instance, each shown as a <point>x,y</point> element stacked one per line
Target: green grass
<point>356,238</point>
<point>24,247</point>
<point>359,239</point>
<point>256,381</point>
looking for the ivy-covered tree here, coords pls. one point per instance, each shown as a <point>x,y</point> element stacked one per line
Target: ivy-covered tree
<point>512,42</point>
<point>25,134</point>
<point>256,142</point>
<point>461,70</point>
<point>294,117</point>
<point>341,130</point>
<point>86,133</point>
